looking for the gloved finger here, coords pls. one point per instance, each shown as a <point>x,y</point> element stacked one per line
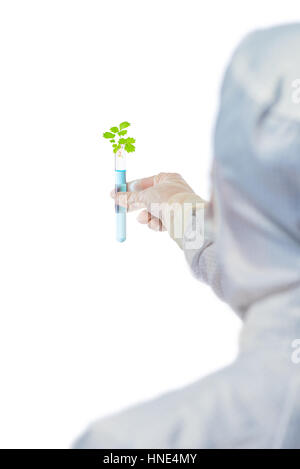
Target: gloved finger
<point>144,217</point>
<point>145,183</point>
<point>140,184</point>
<point>136,185</point>
<point>162,228</point>
<point>129,200</point>
<point>155,224</point>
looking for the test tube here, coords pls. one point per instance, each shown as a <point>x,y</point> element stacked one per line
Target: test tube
<point>120,180</point>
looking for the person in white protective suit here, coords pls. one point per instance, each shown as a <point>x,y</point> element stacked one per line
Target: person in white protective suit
<point>250,256</point>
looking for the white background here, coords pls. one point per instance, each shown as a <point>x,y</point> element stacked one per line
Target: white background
<point>89,326</point>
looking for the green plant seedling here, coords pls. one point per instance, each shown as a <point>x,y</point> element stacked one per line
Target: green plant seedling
<point>116,138</point>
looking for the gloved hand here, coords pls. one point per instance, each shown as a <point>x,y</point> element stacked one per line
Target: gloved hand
<point>165,197</point>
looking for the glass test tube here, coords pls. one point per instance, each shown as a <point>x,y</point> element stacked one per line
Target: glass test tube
<point>120,178</point>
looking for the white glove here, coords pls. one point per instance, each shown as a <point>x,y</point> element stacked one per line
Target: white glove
<point>168,199</point>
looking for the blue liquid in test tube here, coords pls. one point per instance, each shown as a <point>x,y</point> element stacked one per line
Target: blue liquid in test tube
<point>120,180</point>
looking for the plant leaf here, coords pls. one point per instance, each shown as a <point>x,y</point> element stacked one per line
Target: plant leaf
<point>117,147</point>
<point>122,141</point>
<point>129,147</point>
<point>130,140</point>
<point>123,132</point>
<point>114,129</point>
<point>124,125</point>
<point>108,135</point>
<point>112,141</point>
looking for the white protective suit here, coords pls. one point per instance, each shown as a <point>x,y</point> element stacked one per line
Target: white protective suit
<point>251,258</point>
